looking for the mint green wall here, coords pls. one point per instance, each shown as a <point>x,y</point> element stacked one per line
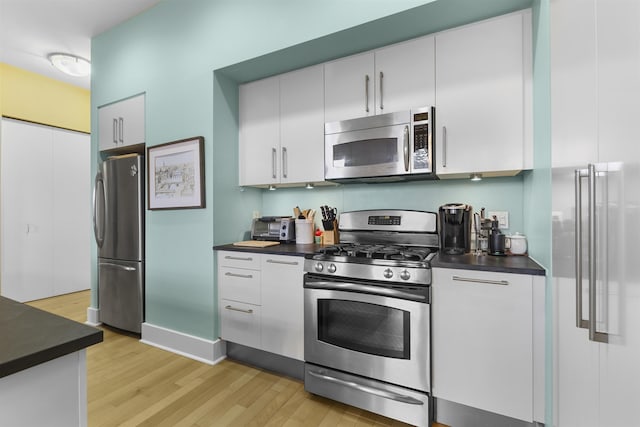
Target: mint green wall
<point>490,193</point>
<point>188,57</point>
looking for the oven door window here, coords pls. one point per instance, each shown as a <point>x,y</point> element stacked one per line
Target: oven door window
<point>364,327</point>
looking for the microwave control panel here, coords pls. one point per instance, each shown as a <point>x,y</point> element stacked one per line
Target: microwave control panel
<point>422,141</point>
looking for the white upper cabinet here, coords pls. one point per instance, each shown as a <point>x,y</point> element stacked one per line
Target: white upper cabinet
<point>393,78</point>
<point>348,87</point>
<point>302,126</point>
<point>405,75</point>
<point>281,139</point>
<point>259,136</point>
<point>121,124</point>
<point>483,97</point>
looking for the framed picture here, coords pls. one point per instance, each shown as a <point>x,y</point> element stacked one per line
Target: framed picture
<point>175,174</point>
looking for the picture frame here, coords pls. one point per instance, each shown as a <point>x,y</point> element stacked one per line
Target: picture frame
<point>175,175</point>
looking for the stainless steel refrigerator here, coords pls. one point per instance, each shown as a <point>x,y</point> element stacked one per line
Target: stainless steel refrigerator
<point>119,231</point>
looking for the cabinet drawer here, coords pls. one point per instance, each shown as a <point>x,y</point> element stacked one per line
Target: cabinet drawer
<point>249,260</point>
<point>240,323</point>
<point>239,285</point>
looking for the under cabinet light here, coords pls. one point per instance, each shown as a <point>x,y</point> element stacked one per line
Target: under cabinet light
<point>476,177</point>
<point>272,187</point>
<point>309,186</point>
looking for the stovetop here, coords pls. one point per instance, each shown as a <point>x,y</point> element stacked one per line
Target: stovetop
<point>370,253</point>
<point>380,245</point>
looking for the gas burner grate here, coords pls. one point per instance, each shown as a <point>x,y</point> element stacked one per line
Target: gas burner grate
<point>388,252</point>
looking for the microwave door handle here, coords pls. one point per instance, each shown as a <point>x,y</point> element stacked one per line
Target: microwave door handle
<point>406,148</point>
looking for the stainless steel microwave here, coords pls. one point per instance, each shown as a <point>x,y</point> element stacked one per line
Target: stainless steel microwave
<point>387,147</point>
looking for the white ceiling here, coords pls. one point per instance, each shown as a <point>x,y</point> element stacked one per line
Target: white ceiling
<point>31,29</point>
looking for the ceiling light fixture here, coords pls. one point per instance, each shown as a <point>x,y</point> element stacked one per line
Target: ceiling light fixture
<point>476,177</point>
<point>70,64</point>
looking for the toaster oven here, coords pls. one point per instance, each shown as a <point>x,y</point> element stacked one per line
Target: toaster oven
<point>276,228</point>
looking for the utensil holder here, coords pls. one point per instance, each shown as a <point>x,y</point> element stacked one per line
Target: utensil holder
<point>304,231</point>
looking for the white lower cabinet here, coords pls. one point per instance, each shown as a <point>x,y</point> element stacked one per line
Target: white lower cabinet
<point>261,302</point>
<point>484,347</point>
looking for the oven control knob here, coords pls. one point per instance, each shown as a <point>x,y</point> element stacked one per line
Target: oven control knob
<point>405,275</point>
<point>318,266</point>
<point>332,268</point>
<point>388,273</point>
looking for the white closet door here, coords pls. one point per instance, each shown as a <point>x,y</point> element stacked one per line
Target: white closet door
<point>27,220</point>
<point>71,212</point>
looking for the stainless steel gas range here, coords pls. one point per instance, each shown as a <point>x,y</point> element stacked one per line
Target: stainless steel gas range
<point>367,314</point>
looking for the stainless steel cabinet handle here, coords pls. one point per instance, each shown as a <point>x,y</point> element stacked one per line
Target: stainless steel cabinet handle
<point>406,148</point>
<point>444,146</point>
<point>593,294</point>
<point>115,131</point>
<point>486,282</point>
<point>121,130</point>
<point>367,389</point>
<point>273,261</point>
<point>366,93</point>
<point>273,163</point>
<point>579,174</point>
<point>237,258</point>
<point>229,307</point>
<point>381,103</point>
<point>285,165</point>
<point>244,276</point>
<point>121,267</point>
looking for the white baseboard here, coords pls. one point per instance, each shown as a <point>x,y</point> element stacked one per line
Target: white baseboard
<point>93,316</point>
<point>206,351</point>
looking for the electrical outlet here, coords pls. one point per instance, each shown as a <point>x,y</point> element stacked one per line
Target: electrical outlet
<point>503,218</point>
<point>256,214</point>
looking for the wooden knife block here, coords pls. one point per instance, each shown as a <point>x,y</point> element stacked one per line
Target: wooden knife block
<point>331,237</point>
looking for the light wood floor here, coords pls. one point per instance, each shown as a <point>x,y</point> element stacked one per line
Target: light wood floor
<point>133,384</point>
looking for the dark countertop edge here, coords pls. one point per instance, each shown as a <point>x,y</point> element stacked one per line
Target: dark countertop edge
<point>505,264</point>
<point>46,355</point>
<point>20,327</point>
<point>291,249</point>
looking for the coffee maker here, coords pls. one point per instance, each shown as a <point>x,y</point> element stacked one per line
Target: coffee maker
<point>455,228</point>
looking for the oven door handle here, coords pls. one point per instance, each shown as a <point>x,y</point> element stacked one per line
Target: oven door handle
<point>367,389</point>
<point>366,289</point>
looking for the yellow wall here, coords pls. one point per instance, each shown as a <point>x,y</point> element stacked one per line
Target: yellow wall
<point>29,96</point>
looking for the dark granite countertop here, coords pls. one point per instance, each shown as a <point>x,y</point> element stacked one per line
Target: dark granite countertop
<point>281,249</point>
<point>501,264</point>
<point>30,336</point>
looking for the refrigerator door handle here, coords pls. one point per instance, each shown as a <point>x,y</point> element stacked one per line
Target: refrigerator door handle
<point>122,267</point>
<point>579,175</point>
<point>98,230</point>
<point>593,334</point>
